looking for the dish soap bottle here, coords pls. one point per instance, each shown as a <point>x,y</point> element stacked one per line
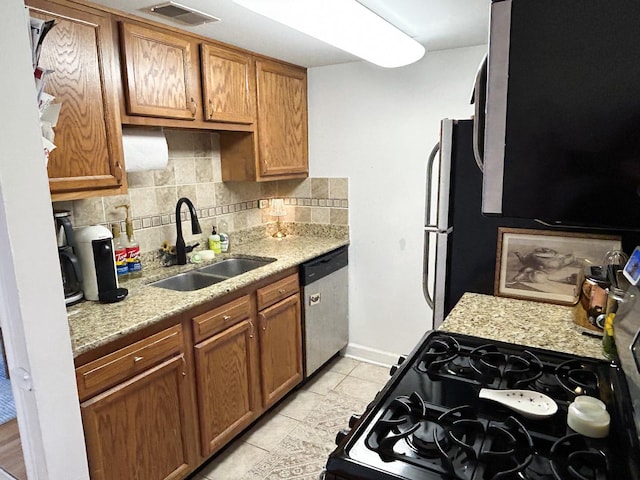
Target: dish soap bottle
<point>224,236</point>
<point>214,241</point>
<point>134,263</point>
<point>119,252</point>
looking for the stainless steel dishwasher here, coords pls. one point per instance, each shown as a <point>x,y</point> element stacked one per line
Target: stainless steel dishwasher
<point>326,307</point>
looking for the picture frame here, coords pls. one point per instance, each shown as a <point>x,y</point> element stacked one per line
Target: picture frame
<point>547,266</point>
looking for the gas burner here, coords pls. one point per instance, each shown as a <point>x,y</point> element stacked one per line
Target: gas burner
<point>576,379</point>
<point>548,384</point>
<point>438,352</point>
<point>573,459</point>
<point>539,469</point>
<point>426,439</point>
<point>487,361</point>
<point>509,452</point>
<point>522,370</point>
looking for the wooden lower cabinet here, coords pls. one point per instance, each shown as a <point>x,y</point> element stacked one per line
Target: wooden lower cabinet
<point>228,387</point>
<point>238,357</point>
<point>140,428</point>
<point>280,349</point>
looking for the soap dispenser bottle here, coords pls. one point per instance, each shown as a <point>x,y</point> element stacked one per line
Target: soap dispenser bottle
<point>214,241</point>
<point>223,228</point>
<point>134,263</point>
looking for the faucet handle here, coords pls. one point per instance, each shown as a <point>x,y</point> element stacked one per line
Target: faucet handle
<point>188,248</point>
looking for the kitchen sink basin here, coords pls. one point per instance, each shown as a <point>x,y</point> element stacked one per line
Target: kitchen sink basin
<point>188,281</point>
<point>211,274</point>
<point>235,266</point>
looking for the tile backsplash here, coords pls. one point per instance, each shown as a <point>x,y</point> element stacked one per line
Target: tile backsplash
<point>194,171</point>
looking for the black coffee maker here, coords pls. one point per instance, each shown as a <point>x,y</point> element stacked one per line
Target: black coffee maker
<point>69,264</point>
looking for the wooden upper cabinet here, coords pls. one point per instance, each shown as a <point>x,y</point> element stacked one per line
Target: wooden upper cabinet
<point>228,83</point>
<point>157,73</point>
<point>282,120</point>
<point>88,159</point>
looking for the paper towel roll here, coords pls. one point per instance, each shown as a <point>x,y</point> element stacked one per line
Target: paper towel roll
<point>144,149</point>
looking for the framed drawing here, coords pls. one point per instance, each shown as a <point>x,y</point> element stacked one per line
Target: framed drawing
<point>547,266</point>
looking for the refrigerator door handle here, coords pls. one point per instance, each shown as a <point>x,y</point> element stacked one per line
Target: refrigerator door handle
<point>430,164</point>
<point>436,302</point>
<point>479,101</point>
<point>425,269</point>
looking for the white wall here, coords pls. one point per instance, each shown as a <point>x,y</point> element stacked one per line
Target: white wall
<point>33,318</point>
<point>377,127</point>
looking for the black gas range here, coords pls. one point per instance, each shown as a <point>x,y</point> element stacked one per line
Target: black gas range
<point>428,423</point>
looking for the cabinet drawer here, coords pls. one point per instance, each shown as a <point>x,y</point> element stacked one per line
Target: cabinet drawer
<point>220,318</point>
<point>277,291</point>
<point>118,366</point>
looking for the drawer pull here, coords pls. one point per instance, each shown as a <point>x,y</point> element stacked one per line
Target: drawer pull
<point>251,331</point>
<point>226,318</point>
<point>282,290</point>
<point>137,359</point>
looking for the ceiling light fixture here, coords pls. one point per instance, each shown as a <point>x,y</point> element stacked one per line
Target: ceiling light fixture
<point>345,24</point>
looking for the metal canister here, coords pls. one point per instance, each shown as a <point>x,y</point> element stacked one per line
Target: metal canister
<point>594,294</point>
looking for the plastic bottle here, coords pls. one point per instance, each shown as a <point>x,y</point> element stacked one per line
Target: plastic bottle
<point>224,236</point>
<point>134,264</point>
<point>214,241</point>
<point>120,252</point>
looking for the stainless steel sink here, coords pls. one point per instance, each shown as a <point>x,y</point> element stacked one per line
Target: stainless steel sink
<point>211,274</point>
<point>188,281</point>
<point>232,267</point>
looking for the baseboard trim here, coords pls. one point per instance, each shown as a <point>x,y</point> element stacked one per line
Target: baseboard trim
<point>370,355</point>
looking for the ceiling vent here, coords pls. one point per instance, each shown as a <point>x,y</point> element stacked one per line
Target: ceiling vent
<point>181,14</point>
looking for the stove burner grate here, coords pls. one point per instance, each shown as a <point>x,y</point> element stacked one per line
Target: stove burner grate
<point>573,459</point>
<point>576,379</point>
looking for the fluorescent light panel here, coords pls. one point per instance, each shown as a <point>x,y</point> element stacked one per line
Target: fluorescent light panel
<point>345,24</point>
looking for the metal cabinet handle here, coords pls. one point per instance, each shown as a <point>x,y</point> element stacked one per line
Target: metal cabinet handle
<point>226,318</point>
<point>282,290</point>
<point>251,328</point>
<point>211,110</point>
<point>194,107</point>
<point>137,359</point>
<point>184,365</point>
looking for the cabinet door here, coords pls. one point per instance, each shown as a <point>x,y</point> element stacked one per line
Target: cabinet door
<point>282,120</point>
<point>229,85</point>
<point>157,71</point>
<point>88,136</point>
<point>280,349</point>
<point>140,428</point>
<point>226,372</point>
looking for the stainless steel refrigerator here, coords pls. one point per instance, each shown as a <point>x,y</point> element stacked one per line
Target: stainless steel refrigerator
<point>460,242</point>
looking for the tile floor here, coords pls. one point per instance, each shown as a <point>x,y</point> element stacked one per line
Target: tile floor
<point>293,440</point>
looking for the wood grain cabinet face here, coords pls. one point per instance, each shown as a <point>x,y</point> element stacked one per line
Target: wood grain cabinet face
<point>280,349</point>
<point>140,428</point>
<point>282,120</point>
<point>228,85</point>
<point>227,382</point>
<point>157,71</point>
<point>88,158</point>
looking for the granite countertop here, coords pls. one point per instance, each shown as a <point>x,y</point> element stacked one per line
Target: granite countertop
<point>93,324</point>
<point>533,324</point>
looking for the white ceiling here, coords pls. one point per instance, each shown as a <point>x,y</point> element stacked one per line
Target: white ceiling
<point>437,24</point>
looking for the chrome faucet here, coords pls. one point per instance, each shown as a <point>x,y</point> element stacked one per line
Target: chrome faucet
<point>181,252</point>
